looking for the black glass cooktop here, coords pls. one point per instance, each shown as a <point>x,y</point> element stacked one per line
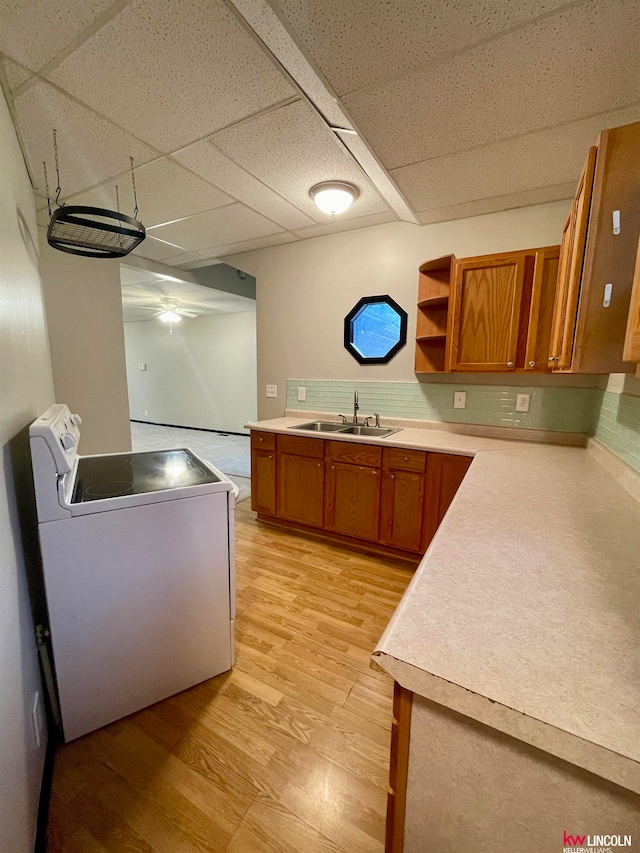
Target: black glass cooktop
<point>101,477</point>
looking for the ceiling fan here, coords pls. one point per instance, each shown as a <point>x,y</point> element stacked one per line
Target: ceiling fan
<point>170,312</point>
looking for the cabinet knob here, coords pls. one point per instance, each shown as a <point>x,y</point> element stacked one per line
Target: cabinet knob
<point>551,359</point>
<point>406,458</point>
<point>374,472</point>
<point>270,457</point>
<point>319,464</point>
<point>532,364</point>
<point>261,438</point>
<point>509,364</point>
<point>393,476</point>
<point>333,467</point>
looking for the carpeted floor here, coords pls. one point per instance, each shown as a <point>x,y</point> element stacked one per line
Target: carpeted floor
<point>230,453</point>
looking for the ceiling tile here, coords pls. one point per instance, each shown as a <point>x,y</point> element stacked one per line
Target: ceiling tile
<point>165,192</point>
<point>579,62</point>
<point>206,160</point>
<point>362,42</point>
<point>15,75</point>
<point>547,158</point>
<point>90,148</point>
<point>224,225</point>
<point>34,31</point>
<point>183,258</point>
<point>346,224</point>
<point>172,72</point>
<point>527,198</point>
<point>247,245</point>
<point>157,250</point>
<point>291,149</point>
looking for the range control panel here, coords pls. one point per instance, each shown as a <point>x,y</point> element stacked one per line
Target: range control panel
<point>60,429</point>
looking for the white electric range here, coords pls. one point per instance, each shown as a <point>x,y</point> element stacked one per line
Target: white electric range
<point>139,568</point>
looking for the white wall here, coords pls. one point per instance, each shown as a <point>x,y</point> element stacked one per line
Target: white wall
<point>305,289</point>
<point>25,392</point>
<point>204,375</point>
<point>84,316</point>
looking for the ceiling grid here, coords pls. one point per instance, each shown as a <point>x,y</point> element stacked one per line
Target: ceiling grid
<point>227,107</point>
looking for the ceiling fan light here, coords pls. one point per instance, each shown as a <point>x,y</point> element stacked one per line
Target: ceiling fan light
<point>169,317</point>
<point>334,197</point>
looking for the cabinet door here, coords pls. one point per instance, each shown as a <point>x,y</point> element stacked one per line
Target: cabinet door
<point>574,238</point>
<point>445,473</point>
<point>632,339</point>
<point>485,312</point>
<point>352,501</point>
<point>300,489</point>
<point>263,482</point>
<point>402,509</point>
<point>543,291</point>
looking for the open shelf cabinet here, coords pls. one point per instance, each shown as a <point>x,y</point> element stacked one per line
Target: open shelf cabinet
<point>433,312</point>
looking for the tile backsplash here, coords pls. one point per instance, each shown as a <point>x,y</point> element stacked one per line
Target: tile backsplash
<point>563,409</point>
<point>617,425</point>
<point>614,419</point>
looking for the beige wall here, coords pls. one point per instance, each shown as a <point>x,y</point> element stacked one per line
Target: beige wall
<point>305,289</point>
<point>84,318</point>
<point>204,375</point>
<point>25,392</point>
<point>471,788</point>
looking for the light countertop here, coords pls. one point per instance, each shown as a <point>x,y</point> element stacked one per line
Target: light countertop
<point>525,611</point>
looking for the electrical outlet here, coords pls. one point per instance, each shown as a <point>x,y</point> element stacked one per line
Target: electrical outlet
<point>302,393</point>
<point>522,402</point>
<point>272,390</point>
<point>146,413</point>
<point>38,720</point>
<point>142,365</point>
<point>460,400</point>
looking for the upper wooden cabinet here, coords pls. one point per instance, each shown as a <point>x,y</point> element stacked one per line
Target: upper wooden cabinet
<point>574,237</point>
<point>632,339</point>
<point>591,317</point>
<point>484,312</point>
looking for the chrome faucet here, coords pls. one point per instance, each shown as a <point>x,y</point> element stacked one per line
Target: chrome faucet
<point>355,407</point>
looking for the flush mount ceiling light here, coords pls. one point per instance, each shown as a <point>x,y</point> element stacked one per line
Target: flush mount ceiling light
<point>334,196</point>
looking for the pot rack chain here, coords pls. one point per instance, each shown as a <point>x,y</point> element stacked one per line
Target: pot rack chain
<point>58,188</point>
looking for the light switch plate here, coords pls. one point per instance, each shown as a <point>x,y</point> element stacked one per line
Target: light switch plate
<point>302,393</point>
<point>142,365</point>
<point>460,400</point>
<point>522,402</point>
<point>272,390</point>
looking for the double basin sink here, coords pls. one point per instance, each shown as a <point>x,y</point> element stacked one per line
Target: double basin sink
<point>345,429</point>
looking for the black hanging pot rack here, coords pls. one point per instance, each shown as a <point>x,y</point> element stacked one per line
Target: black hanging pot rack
<point>93,232</point>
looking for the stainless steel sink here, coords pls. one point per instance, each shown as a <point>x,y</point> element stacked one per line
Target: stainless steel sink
<point>321,426</point>
<point>380,432</point>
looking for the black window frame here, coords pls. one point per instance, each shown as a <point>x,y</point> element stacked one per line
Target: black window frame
<point>348,329</point>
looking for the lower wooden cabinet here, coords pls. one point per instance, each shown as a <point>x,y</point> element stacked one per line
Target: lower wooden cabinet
<point>352,500</point>
<point>301,489</point>
<point>389,496</point>
<point>403,509</point>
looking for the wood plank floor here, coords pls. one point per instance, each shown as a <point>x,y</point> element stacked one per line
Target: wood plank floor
<point>288,753</point>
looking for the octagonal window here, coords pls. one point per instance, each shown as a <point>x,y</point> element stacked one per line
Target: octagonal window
<point>375,329</point>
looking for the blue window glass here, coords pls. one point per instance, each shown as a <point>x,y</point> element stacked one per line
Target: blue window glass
<point>375,329</point>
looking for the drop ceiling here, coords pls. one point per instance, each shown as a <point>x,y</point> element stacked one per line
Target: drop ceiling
<point>143,290</point>
<point>227,107</point>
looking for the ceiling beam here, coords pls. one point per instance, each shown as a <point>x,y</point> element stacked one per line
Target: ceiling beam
<point>270,27</point>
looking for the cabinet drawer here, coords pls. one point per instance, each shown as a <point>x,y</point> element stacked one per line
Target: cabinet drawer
<point>263,440</point>
<point>405,460</point>
<point>298,446</point>
<point>356,454</point>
